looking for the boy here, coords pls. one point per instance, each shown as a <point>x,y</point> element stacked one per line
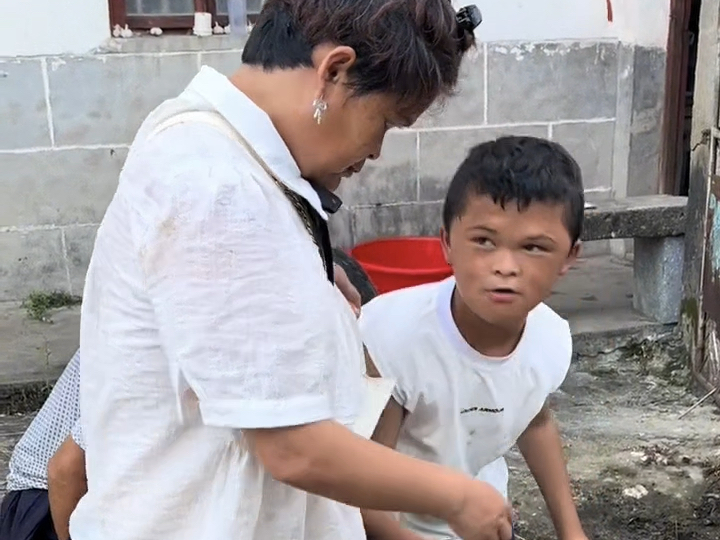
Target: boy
<point>475,357</point>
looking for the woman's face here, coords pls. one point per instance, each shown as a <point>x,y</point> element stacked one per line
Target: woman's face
<point>353,127</point>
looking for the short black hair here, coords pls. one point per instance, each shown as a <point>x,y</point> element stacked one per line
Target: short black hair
<point>521,170</point>
<point>410,49</point>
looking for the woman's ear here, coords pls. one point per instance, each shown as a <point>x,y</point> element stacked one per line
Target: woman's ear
<point>335,64</point>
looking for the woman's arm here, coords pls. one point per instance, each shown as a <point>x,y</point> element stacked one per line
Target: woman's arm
<point>66,485</point>
<point>327,459</point>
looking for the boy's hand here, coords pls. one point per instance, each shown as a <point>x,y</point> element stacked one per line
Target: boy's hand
<point>484,515</point>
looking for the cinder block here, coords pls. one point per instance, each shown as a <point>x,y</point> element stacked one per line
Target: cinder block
<point>226,62</point>
<point>390,179</point>
<point>538,82</point>
<point>104,99</point>
<point>645,132</point>
<point>79,243</point>
<point>23,114</point>
<point>591,144</point>
<point>340,225</point>
<point>441,153</point>
<point>467,106</point>
<point>657,276</point>
<point>31,260</point>
<point>411,219</point>
<point>58,187</point>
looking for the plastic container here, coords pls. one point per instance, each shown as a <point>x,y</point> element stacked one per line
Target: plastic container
<point>396,263</point>
<point>237,17</point>
<point>203,24</point>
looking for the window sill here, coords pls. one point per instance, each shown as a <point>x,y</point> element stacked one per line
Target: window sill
<point>170,43</point>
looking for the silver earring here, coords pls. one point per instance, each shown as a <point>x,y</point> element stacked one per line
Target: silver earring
<point>319,108</point>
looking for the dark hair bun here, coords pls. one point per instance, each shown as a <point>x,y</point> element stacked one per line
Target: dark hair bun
<point>468,19</point>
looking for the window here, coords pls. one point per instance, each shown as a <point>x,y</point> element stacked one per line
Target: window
<point>171,14</point>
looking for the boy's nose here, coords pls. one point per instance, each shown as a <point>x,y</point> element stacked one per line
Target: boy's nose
<point>505,264</point>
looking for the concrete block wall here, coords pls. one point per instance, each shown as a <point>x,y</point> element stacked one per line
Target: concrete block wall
<point>601,100</point>
<point>66,123</point>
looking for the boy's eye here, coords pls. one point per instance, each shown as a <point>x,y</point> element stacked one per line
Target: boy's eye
<point>535,248</point>
<point>484,242</point>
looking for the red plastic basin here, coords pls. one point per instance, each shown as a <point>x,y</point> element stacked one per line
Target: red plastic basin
<point>396,263</point>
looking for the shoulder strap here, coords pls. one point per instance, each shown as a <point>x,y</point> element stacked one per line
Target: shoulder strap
<point>314,223</point>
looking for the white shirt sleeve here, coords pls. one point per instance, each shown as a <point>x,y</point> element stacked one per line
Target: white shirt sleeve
<point>385,348</point>
<point>565,352</point>
<point>238,297</point>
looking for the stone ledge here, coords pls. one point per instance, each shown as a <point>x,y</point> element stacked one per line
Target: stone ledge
<point>652,216</point>
<point>170,43</point>
<point>35,351</point>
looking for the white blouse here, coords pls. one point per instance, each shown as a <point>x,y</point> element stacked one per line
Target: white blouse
<point>206,311</point>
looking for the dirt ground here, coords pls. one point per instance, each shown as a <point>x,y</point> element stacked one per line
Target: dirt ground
<point>638,471</point>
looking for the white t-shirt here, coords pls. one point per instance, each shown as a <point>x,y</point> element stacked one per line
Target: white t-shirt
<point>465,410</point>
<point>207,310</point>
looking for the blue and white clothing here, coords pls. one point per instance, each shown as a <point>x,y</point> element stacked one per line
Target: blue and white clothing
<point>58,418</point>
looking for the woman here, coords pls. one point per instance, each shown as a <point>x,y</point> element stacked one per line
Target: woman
<point>222,369</point>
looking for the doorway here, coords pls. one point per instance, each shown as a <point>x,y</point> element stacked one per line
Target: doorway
<point>679,91</point>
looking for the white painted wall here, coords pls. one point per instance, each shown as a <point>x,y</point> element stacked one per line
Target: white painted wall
<point>644,22</point>
<point>78,26</point>
<point>40,27</point>
<point>641,22</point>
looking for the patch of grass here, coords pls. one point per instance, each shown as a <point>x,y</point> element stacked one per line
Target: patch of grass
<point>38,303</point>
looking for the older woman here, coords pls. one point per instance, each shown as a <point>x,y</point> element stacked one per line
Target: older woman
<point>222,369</point>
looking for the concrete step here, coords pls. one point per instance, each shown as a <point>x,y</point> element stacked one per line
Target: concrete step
<point>33,354</point>
<point>596,298</point>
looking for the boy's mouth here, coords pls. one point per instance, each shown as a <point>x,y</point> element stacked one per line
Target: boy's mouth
<point>502,295</point>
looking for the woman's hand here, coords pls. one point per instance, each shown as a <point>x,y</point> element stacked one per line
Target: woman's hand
<point>348,290</point>
<point>483,515</point>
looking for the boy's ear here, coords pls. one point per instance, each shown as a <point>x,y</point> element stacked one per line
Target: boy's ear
<point>571,258</point>
<point>445,243</point>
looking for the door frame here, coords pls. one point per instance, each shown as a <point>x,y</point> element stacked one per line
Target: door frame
<point>671,144</point>
<point>698,328</point>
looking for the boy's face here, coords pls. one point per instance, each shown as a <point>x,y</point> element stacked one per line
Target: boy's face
<point>506,261</point>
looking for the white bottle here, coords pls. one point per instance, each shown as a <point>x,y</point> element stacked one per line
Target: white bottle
<point>237,15</point>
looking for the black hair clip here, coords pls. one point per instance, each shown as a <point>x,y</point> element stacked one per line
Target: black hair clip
<point>469,18</point>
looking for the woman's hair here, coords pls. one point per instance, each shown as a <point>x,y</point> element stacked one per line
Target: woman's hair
<point>407,48</point>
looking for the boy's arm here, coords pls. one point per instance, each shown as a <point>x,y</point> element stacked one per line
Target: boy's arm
<point>67,484</point>
<point>372,371</point>
<point>541,447</point>
<point>383,525</point>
